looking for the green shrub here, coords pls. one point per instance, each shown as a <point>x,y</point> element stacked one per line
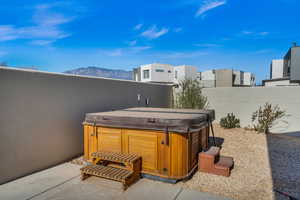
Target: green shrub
<point>189,95</point>
<point>230,121</point>
<point>263,119</point>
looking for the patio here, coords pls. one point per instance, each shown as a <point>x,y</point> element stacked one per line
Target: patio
<point>63,182</point>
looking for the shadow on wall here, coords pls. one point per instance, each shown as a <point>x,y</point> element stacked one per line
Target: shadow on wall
<point>284,158</point>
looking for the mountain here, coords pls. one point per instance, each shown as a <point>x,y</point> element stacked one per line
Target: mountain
<point>101,72</point>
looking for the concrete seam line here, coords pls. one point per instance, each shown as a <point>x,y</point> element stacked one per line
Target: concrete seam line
<point>55,186</point>
<point>179,192</point>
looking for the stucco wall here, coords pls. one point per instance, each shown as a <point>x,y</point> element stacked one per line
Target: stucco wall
<point>244,101</point>
<point>41,115</point>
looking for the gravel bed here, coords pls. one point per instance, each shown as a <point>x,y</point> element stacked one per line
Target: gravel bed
<point>254,176</point>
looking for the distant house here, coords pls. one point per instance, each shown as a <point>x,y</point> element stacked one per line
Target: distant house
<point>164,73</point>
<point>286,71</point>
<point>226,78</point>
<point>207,78</point>
<point>182,72</point>
<point>168,74</point>
<point>276,69</point>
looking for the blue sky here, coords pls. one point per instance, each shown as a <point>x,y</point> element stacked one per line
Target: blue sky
<point>61,35</point>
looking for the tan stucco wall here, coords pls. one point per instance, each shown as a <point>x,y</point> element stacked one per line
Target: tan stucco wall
<point>243,101</point>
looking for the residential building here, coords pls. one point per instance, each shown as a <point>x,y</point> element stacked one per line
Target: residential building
<point>276,69</point>
<point>164,73</point>
<point>137,74</point>
<point>207,78</point>
<point>249,79</point>
<point>168,74</point>
<point>226,78</point>
<point>238,78</point>
<point>291,64</point>
<point>285,72</point>
<point>184,72</point>
<point>155,73</point>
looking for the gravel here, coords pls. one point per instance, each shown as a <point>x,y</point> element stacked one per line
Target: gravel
<point>254,175</point>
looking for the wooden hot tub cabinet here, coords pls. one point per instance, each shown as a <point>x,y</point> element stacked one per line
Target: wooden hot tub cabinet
<point>165,153</point>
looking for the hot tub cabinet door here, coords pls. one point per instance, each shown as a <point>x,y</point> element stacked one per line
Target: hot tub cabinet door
<point>109,139</point>
<point>148,144</point>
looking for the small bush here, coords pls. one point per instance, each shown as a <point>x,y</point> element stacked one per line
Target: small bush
<point>263,119</point>
<point>230,121</point>
<point>190,95</point>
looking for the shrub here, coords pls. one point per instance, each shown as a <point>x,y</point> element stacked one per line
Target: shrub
<point>190,95</point>
<point>230,121</point>
<point>265,117</point>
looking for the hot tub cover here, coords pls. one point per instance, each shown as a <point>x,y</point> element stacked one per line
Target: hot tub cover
<point>164,119</point>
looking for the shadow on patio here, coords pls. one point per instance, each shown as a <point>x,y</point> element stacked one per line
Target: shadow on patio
<point>284,158</point>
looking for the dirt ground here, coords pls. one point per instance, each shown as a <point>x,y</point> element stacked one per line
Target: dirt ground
<point>262,164</point>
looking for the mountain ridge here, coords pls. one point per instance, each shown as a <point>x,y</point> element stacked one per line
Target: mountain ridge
<point>101,72</point>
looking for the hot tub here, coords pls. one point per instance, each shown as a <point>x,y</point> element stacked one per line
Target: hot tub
<point>168,140</point>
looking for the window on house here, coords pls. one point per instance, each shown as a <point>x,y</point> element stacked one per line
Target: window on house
<point>169,71</point>
<point>159,70</point>
<point>146,74</point>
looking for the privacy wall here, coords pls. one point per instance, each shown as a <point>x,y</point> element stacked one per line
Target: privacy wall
<point>41,114</point>
<point>243,101</point>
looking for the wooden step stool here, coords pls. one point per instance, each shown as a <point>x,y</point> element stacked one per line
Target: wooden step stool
<point>211,162</point>
<point>125,168</point>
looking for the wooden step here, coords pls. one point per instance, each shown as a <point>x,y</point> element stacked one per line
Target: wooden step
<point>117,174</point>
<point>116,157</point>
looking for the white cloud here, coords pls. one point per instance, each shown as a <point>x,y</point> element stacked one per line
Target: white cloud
<point>124,51</point>
<point>246,32</point>
<point>177,30</point>
<point>46,26</point>
<point>153,32</point>
<point>132,43</point>
<point>208,5</point>
<point>42,42</point>
<point>263,33</point>
<point>207,45</point>
<point>138,49</point>
<point>138,27</point>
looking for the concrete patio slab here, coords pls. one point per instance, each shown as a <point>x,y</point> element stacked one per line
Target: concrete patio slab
<point>32,185</point>
<point>148,190</point>
<point>63,183</point>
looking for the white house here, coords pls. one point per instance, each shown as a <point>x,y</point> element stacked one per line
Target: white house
<point>207,78</point>
<point>164,73</point>
<point>276,69</point>
<point>156,72</point>
<point>232,78</point>
<point>249,79</point>
<point>182,72</point>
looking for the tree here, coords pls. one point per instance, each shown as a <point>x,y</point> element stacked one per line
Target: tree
<point>189,95</point>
